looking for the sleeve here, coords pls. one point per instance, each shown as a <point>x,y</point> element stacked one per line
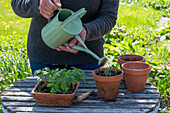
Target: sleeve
<point>26,8</point>
<point>105,20</point>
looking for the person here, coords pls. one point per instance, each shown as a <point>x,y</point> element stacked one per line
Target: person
<point>100,18</point>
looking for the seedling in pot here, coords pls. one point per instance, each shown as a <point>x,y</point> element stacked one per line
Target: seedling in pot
<point>59,81</point>
<point>109,71</point>
<point>114,68</point>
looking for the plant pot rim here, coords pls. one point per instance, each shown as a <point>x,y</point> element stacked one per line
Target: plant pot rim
<point>106,79</point>
<point>135,70</point>
<point>120,57</point>
<point>33,91</point>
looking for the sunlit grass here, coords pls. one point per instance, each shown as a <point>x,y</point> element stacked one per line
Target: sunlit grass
<point>135,16</point>
<point>10,23</point>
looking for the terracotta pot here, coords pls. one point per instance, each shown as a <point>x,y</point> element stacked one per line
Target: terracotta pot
<point>55,99</point>
<point>126,58</point>
<point>136,74</point>
<point>107,86</point>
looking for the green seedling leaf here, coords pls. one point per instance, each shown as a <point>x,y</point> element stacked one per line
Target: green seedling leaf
<point>52,91</point>
<point>50,85</point>
<point>36,72</point>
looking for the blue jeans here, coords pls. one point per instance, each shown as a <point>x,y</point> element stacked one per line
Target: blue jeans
<point>35,66</point>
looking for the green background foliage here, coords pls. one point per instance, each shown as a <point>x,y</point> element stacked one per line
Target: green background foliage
<point>161,5</point>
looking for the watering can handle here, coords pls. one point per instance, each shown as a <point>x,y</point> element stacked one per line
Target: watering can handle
<point>76,47</point>
<point>59,8</point>
<point>79,14</point>
<point>80,40</point>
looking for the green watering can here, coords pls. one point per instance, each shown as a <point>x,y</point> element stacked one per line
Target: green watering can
<point>65,25</point>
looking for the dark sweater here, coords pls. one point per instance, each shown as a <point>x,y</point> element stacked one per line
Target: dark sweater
<point>100,19</point>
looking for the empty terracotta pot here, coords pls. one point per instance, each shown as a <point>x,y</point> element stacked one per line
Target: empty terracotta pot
<point>53,100</point>
<point>126,58</point>
<point>107,86</point>
<point>135,75</point>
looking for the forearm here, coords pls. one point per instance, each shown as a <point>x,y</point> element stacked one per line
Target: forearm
<point>105,21</point>
<point>26,8</point>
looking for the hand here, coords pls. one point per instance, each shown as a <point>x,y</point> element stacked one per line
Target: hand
<point>73,42</point>
<point>47,7</point>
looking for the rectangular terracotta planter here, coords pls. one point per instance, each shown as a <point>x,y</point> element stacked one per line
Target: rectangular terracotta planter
<point>53,100</point>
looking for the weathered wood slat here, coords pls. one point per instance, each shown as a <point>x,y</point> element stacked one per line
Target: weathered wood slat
<point>89,84</point>
<point>90,106</point>
<point>146,91</point>
<point>94,96</point>
<point>17,99</point>
<point>7,93</point>
<point>135,102</point>
<point>35,80</point>
<point>28,93</point>
<point>20,104</point>
<point>118,101</point>
<point>85,89</point>
<point>32,78</point>
<point>90,99</point>
<point>27,81</point>
<point>73,110</point>
<point>88,80</point>
<point>20,89</point>
<point>129,96</point>
<point>101,101</point>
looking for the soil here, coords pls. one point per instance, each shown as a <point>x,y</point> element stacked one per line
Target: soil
<point>112,73</point>
<point>127,59</point>
<point>132,58</point>
<point>47,89</point>
<point>136,67</point>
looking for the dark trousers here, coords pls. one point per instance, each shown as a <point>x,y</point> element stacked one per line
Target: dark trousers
<point>36,66</point>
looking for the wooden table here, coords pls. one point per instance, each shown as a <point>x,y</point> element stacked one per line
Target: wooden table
<point>18,98</point>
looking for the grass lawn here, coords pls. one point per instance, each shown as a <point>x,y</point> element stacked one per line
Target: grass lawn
<point>135,16</point>
<point>11,24</point>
